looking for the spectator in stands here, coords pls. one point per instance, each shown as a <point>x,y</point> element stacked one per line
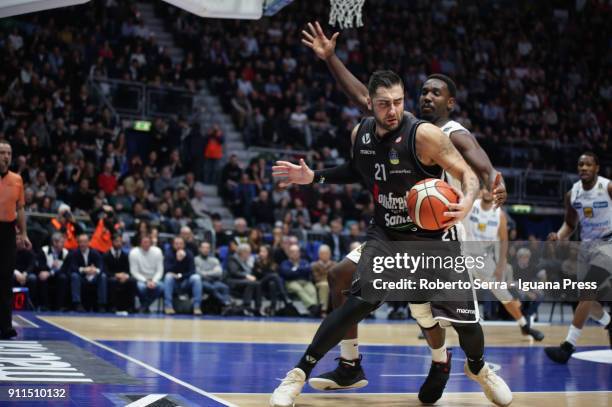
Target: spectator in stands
<point>52,268</point>
<point>298,279</point>
<point>241,232</point>
<point>180,276</point>
<point>65,224</point>
<point>198,202</point>
<point>265,271</point>
<point>337,242</point>
<point>255,239</point>
<point>240,278</point>
<point>121,286</point>
<point>190,241</point>
<point>320,269</point>
<point>147,268</point>
<point>230,177</point>
<point>86,271</point>
<point>213,153</point>
<point>209,269</point>
<point>25,264</point>
<point>262,210</point>
<point>107,181</point>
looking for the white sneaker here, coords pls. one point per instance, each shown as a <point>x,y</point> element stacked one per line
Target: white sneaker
<point>291,387</point>
<point>494,387</point>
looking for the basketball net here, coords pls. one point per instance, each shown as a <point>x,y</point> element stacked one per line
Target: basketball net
<point>344,12</point>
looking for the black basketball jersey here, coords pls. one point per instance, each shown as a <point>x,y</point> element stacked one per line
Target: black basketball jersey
<point>389,168</point>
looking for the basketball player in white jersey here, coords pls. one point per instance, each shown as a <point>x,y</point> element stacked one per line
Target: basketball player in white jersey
<point>487,223</point>
<point>588,203</point>
<point>436,103</point>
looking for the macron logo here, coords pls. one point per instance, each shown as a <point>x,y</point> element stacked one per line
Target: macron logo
<point>466,311</point>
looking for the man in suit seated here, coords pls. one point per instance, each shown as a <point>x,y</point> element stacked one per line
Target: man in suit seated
<point>338,244</point>
<point>121,286</point>
<point>52,269</point>
<point>86,270</point>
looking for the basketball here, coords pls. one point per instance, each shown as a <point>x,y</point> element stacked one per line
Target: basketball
<point>428,200</point>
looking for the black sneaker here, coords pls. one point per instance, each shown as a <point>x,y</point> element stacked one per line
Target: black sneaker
<point>8,333</point>
<point>560,354</point>
<point>348,375</point>
<point>527,330</point>
<point>434,384</point>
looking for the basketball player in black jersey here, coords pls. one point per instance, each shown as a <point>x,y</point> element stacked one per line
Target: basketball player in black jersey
<point>436,103</point>
<point>415,150</point>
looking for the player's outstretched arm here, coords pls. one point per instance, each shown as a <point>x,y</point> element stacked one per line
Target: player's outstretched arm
<point>570,221</point>
<point>479,161</point>
<point>324,47</point>
<point>433,147</point>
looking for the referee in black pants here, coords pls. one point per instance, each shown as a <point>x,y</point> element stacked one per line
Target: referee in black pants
<point>12,216</point>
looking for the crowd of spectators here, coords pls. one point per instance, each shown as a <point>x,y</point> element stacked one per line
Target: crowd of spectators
<point>533,82</point>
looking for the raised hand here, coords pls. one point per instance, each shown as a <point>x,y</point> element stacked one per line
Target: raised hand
<point>288,173</point>
<point>316,40</point>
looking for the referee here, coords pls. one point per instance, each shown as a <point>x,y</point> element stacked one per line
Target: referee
<point>12,212</point>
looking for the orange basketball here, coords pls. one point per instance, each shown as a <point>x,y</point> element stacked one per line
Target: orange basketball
<point>428,200</point>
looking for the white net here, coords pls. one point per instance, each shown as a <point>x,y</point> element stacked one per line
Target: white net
<point>345,13</point>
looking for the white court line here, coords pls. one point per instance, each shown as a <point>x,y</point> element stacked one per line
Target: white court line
<point>27,321</point>
<point>145,401</point>
<point>327,394</point>
<point>146,366</point>
<point>416,375</point>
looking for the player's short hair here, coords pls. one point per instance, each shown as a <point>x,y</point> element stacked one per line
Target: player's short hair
<point>385,79</point>
<point>592,155</point>
<point>2,141</point>
<point>450,84</point>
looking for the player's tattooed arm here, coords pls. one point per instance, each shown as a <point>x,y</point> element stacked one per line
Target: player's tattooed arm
<point>325,48</point>
<point>570,221</point>
<point>479,161</point>
<point>433,147</point>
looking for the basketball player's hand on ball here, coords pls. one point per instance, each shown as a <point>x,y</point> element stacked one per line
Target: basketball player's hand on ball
<point>457,211</point>
<point>288,173</point>
<point>316,40</point>
<point>499,190</point>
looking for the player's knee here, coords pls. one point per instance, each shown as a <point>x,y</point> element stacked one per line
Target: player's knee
<point>340,276</point>
<point>422,314</point>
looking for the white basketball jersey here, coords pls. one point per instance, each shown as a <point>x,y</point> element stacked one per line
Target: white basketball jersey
<point>448,129</point>
<point>481,225</point>
<point>594,208</point>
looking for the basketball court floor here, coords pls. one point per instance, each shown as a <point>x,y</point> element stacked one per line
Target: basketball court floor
<point>185,361</point>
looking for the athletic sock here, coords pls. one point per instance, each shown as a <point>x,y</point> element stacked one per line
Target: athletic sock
<point>605,320</point>
<point>349,349</point>
<point>475,365</point>
<point>308,362</point>
<point>439,355</point>
<point>522,321</point>
<point>573,335</point>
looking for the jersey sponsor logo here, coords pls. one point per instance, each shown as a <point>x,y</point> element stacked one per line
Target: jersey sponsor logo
<point>577,205</point>
<point>465,311</point>
<point>367,152</point>
<point>392,202</point>
<point>492,223</point>
<point>588,212</point>
<point>395,220</point>
<point>402,171</point>
<point>366,138</point>
<point>398,140</point>
<point>393,157</point>
<point>601,204</point>
<point>482,227</point>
